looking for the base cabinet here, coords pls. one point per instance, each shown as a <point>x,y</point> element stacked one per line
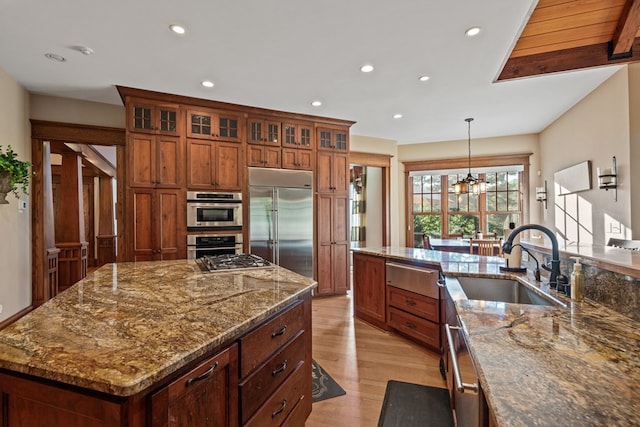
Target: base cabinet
<point>369,297</point>
<point>205,396</point>
<point>262,378</point>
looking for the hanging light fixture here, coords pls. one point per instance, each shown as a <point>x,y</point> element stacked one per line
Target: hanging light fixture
<point>470,184</point>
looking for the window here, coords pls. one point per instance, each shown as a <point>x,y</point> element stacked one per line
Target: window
<point>427,207</point>
<point>439,212</point>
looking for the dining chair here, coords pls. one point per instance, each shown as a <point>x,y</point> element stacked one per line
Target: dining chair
<point>454,236</point>
<point>490,235</point>
<point>426,242</point>
<point>486,247</point>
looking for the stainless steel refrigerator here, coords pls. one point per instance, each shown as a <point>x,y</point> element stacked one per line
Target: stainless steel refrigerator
<point>281,218</point>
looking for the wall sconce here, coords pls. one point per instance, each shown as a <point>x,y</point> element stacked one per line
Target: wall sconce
<point>541,194</point>
<point>608,179</point>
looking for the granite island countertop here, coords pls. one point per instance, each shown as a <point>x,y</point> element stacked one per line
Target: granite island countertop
<point>577,365</point>
<point>128,325</point>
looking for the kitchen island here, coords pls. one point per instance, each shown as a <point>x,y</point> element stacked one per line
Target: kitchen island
<point>572,365</point>
<point>113,349</point>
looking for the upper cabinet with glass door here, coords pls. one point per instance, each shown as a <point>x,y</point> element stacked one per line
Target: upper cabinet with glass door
<point>213,124</point>
<point>297,134</point>
<point>149,117</point>
<point>263,131</point>
<point>333,139</point>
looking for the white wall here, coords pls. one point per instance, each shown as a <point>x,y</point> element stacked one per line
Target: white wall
<point>66,110</point>
<point>517,144</point>
<point>374,206</point>
<point>15,226</point>
<point>595,129</point>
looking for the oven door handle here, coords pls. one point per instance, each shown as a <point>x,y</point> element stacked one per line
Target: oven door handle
<point>454,361</point>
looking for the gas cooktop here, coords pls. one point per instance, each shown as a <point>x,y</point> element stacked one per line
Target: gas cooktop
<point>218,263</point>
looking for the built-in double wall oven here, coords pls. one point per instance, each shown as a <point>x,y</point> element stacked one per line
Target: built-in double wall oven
<point>214,224</point>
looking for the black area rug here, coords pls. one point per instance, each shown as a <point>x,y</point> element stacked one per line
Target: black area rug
<point>414,405</point>
<point>324,387</point>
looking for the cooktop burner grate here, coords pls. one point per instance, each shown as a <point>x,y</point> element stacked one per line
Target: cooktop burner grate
<point>226,262</point>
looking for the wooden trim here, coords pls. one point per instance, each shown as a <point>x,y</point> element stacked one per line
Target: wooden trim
<point>463,162</point>
<point>6,322</point>
<point>382,161</point>
<point>370,159</point>
<point>180,99</point>
<point>626,29</point>
<point>595,55</point>
<point>71,132</point>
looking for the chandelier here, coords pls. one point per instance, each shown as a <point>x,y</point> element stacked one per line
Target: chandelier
<point>470,184</point>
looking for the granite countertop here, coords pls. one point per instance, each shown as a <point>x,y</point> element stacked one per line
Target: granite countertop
<point>577,365</point>
<point>128,325</point>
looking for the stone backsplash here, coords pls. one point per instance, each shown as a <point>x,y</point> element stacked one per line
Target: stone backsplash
<point>619,292</point>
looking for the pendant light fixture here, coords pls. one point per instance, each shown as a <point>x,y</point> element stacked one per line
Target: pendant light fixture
<point>470,184</point>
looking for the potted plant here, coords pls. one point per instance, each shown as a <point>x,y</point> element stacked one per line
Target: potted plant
<point>14,174</point>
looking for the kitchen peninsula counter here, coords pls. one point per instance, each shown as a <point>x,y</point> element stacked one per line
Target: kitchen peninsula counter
<point>127,326</point>
<point>577,365</point>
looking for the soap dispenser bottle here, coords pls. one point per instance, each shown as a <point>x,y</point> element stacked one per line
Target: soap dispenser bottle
<point>577,283</point>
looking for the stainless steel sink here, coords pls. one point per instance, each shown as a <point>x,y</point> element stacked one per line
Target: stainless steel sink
<point>503,290</point>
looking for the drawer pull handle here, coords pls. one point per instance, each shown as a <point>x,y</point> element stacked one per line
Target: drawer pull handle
<point>203,376</point>
<point>281,368</point>
<point>279,410</point>
<point>410,325</point>
<point>280,332</point>
<point>410,302</point>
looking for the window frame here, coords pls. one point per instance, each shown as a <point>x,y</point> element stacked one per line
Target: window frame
<point>463,163</point>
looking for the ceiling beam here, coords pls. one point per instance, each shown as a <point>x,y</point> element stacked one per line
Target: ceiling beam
<point>596,55</point>
<point>627,28</point>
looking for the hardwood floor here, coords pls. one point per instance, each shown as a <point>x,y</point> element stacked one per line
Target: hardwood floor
<point>362,359</point>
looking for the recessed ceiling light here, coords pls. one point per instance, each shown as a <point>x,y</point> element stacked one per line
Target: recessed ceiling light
<point>366,68</point>
<point>473,31</point>
<point>397,116</point>
<point>55,57</point>
<point>178,29</point>
<point>423,78</point>
<point>207,83</point>
<point>316,103</point>
<point>83,49</point>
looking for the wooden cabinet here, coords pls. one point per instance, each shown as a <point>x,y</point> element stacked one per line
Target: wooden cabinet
<point>25,402</point>
<point>275,369</point>
<point>298,134</point>
<point>333,244</point>
<point>264,156</point>
<point>157,224</point>
<point>204,396</point>
<point>293,158</point>
<point>332,172</point>
<point>211,124</point>
<point>414,315</point>
<point>155,161</point>
<point>334,139</point>
<point>369,295</point>
<point>214,165</point>
<point>263,131</point>
<point>153,117</point>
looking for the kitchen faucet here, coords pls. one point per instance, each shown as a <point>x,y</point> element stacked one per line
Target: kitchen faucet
<point>555,253</point>
<point>536,272</point>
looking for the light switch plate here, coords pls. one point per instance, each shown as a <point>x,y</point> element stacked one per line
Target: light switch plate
<point>22,205</point>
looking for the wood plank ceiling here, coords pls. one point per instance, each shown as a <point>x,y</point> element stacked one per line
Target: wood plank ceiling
<point>564,35</point>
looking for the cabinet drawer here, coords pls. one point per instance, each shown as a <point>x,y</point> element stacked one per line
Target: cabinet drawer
<point>414,326</point>
<point>261,384</point>
<point>259,344</point>
<point>283,400</point>
<point>299,414</point>
<point>413,303</point>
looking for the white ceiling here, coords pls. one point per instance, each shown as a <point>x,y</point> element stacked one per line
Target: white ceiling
<point>282,54</point>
